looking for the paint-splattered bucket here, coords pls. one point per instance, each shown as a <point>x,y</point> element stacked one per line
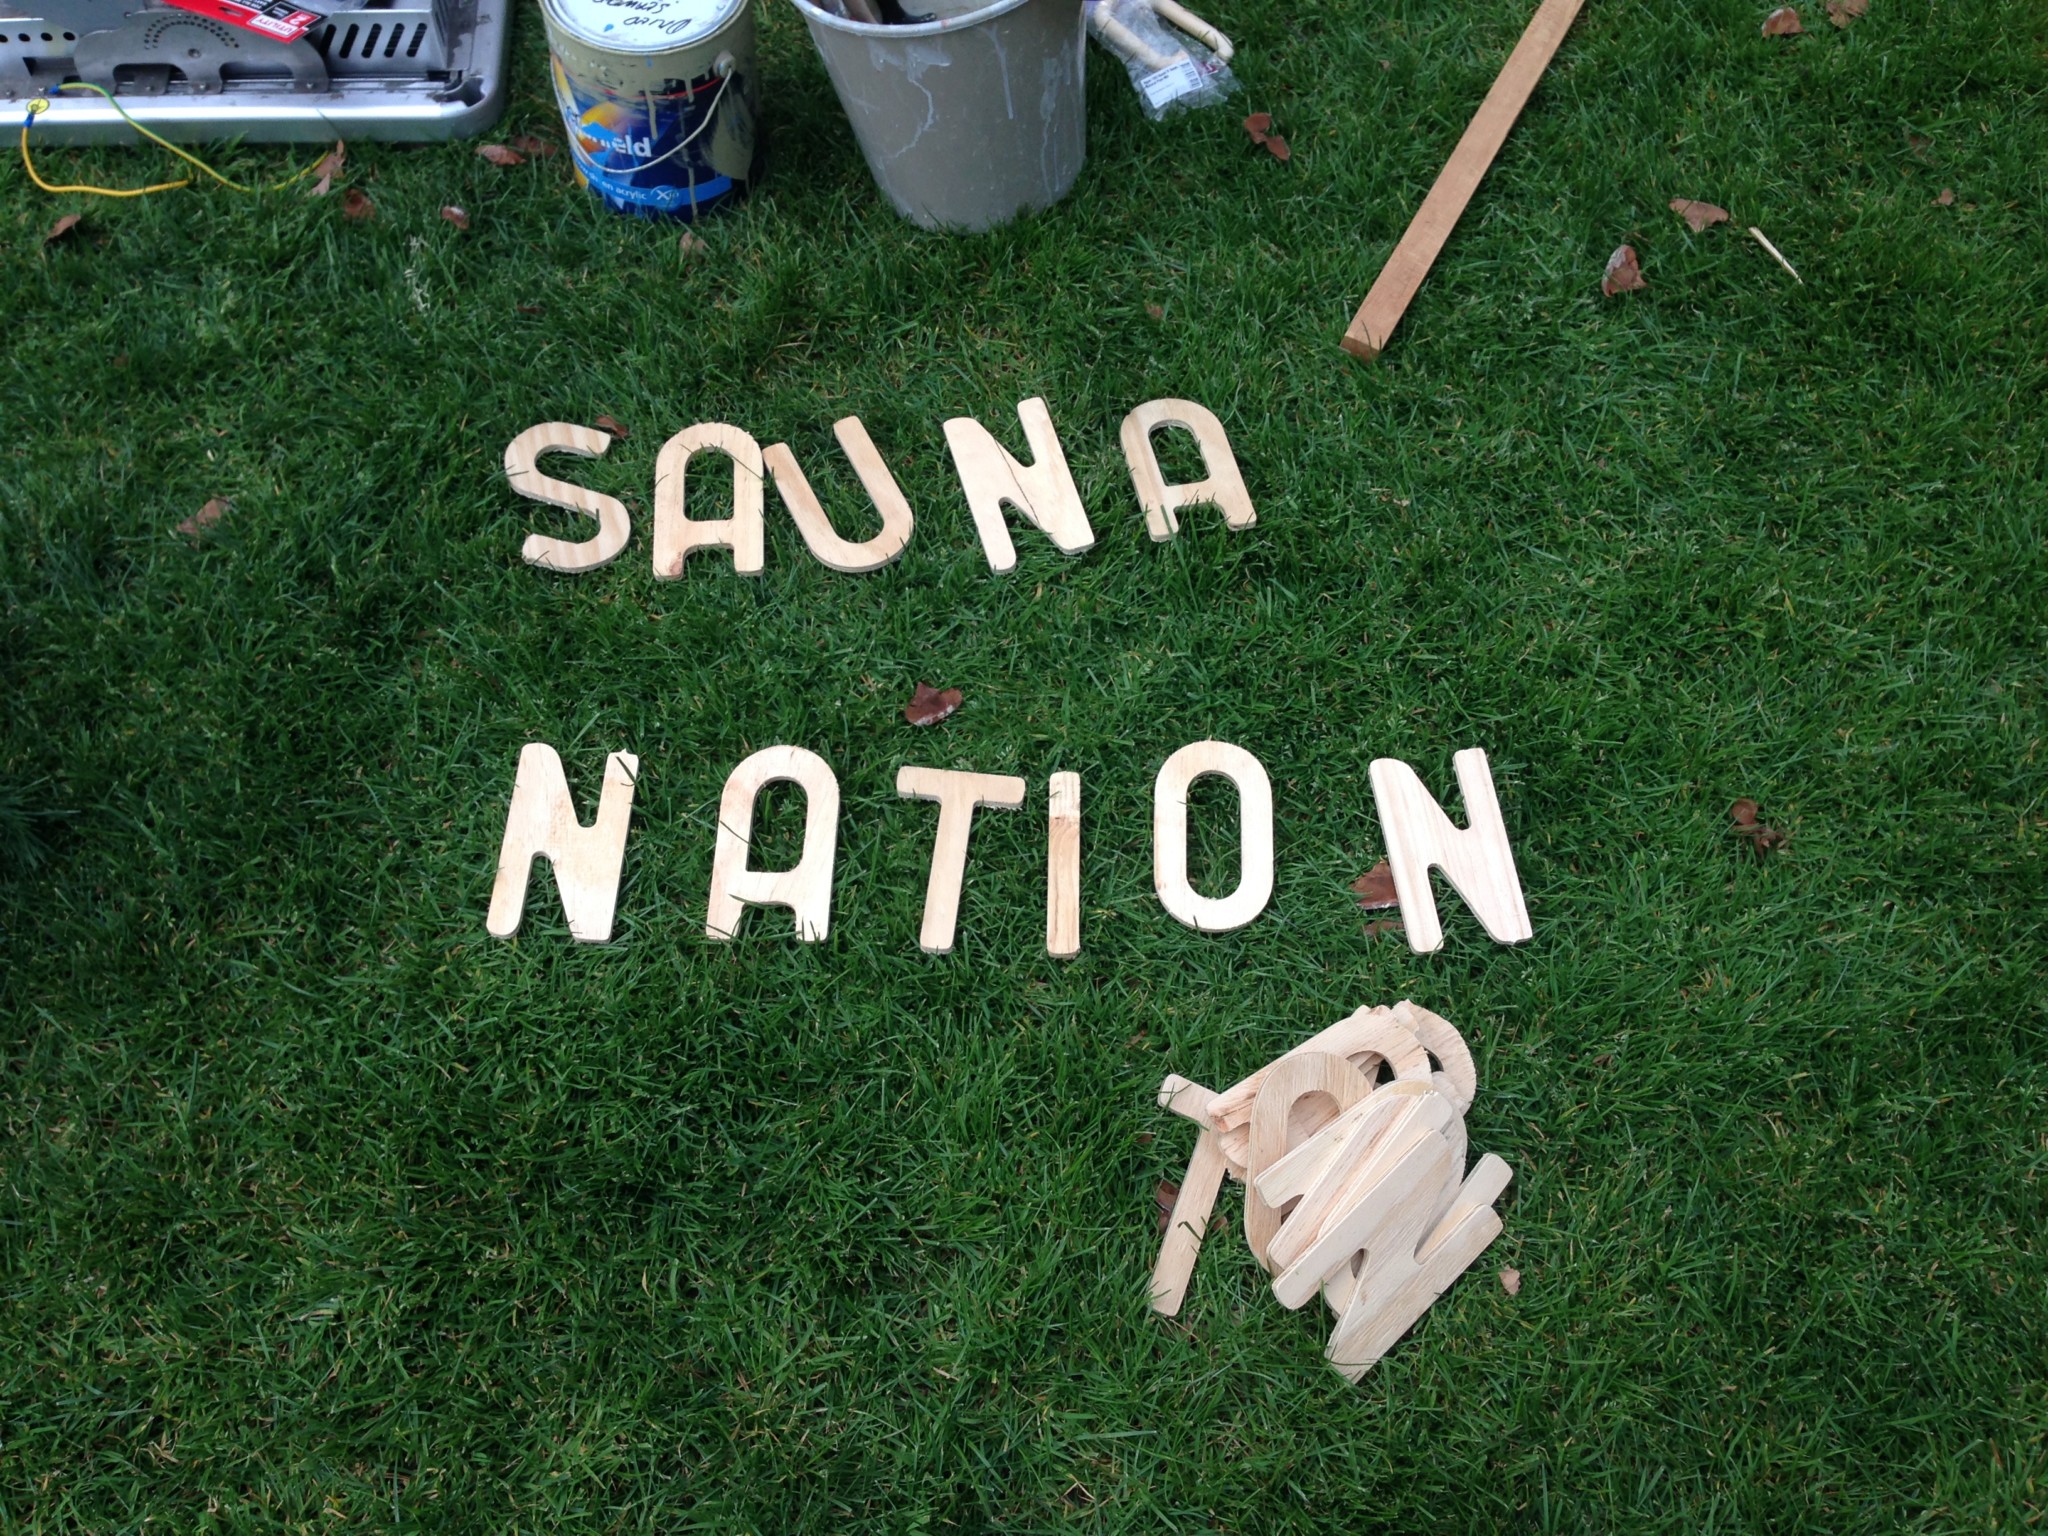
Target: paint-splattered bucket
<point>659,100</point>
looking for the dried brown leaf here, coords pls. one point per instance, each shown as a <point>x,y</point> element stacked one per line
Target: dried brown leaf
<point>607,424</point>
<point>1511,1281</point>
<point>1375,887</point>
<point>1257,125</point>
<point>692,244</point>
<point>357,205</point>
<point>527,144</point>
<point>329,167</point>
<point>1156,311</point>
<point>1763,840</point>
<point>1783,22</point>
<point>1164,1194</point>
<point>1384,925</point>
<point>929,705</point>
<point>500,154</point>
<point>459,217</point>
<point>1277,147</point>
<point>1699,215</point>
<point>1919,144</point>
<point>62,227</point>
<point>531,309</point>
<point>193,526</point>
<point>1945,198</point>
<point>1842,12</point>
<point>1624,273</point>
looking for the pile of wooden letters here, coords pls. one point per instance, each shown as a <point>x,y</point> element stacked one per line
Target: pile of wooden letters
<point>1354,1188</point>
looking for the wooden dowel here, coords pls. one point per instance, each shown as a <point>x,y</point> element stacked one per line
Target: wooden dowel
<point>1455,184</point>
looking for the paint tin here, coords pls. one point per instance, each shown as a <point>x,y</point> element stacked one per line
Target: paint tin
<point>659,99</point>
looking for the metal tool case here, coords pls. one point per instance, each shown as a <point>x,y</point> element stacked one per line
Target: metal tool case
<point>428,69</point>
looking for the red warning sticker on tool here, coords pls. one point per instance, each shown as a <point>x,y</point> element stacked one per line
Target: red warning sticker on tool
<point>277,19</point>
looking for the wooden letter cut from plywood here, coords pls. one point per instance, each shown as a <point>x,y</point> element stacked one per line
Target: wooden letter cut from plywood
<point>805,889</point>
<point>1063,867</point>
<point>1187,1225</point>
<point>1477,861</point>
<point>1400,1279</point>
<point>1224,486</point>
<point>1042,490</point>
<point>542,820</point>
<point>1301,1095</point>
<point>1218,914</point>
<point>675,534</point>
<point>614,524</point>
<point>822,538</point>
<point>957,794</point>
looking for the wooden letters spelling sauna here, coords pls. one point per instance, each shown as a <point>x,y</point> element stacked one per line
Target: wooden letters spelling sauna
<point>1042,491</point>
<point>542,822</point>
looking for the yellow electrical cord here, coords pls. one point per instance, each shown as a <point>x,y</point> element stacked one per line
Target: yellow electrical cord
<point>41,104</point>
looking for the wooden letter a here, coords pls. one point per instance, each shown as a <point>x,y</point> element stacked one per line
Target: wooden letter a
<point>1478,861</point>
<point>542,820</point>
<point>806,889</point>
<point>1042,490</point>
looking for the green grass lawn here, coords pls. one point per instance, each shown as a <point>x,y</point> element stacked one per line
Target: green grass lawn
<point>324,1210</point>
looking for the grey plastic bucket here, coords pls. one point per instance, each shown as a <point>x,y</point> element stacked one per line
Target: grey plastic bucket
<point>970,119</point>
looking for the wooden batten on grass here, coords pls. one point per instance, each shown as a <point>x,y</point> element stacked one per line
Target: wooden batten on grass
<point>1354,1189</point>
<point>1438,216</point>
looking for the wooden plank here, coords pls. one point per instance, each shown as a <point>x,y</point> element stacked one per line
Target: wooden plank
<point>1459,179</point>
<point>1478,861</point>
<point>1063,867</point>
<point>820,536</point>
<point>1187,1224</point>
<point>806,888</point>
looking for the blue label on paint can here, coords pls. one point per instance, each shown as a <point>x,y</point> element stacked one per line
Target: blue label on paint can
<point>651,153</point>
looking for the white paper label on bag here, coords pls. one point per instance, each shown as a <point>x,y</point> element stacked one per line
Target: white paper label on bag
<point>1165,86</point>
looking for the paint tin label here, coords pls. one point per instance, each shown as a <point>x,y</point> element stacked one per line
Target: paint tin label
<point>675,151</point>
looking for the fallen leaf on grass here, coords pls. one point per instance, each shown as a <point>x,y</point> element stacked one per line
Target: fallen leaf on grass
<point>1511,1281</point>
<point>531,309</point>
<point>1699,215</point>
<point>193,526</point>
<point>1945,198</point>
<point>1624,273</point>
<point>1919,144</point>
<point>1164,1194</point>
<point>929,705</point>
<point>1384,925</point>
<point>692,245</point>
<point>357,205</point>
<point>1375,887</point>
<point>1156,311</point>
<point>63,227</point>
<point>329,167</point>
<point>1763,840</point>
<point>527,144</point>
<point>606,424</point>
<point>459,217</point>
<point>1842,12</point>
<point>500,154</point>
<point>1783,22</point>
<point>1259,126</point>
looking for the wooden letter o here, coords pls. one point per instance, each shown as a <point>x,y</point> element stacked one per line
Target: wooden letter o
<point>1217,914</point>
